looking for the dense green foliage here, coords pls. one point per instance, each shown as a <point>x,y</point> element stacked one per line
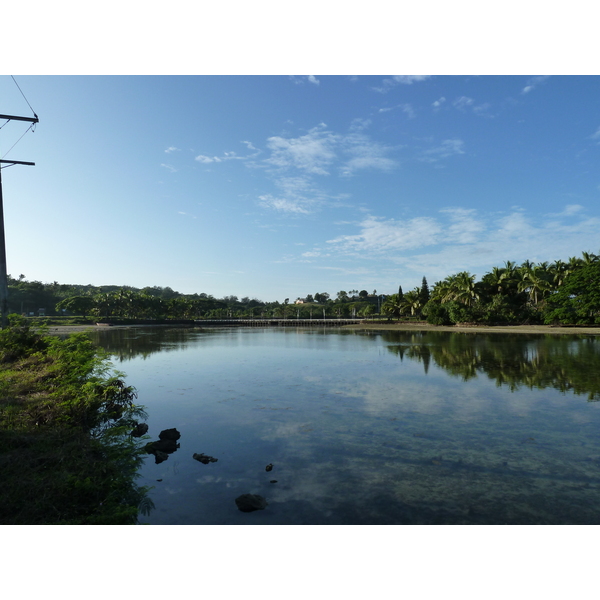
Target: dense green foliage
<point>66,455</point>
<point>566,293</point>
<point>578,299</point>
<point>515,294</point>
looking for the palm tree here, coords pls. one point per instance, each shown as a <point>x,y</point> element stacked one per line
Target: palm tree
<point>392,306</point>
<point>535,281</point>
<point>460,287</point>
<point>411,301</point>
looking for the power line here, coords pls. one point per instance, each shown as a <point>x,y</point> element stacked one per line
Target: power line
<point>22,94</point>
<point>32,125</point>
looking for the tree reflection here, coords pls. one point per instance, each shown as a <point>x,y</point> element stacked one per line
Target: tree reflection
<point>566,363</point>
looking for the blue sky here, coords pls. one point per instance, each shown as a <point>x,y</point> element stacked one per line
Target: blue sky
<point>281,186</point>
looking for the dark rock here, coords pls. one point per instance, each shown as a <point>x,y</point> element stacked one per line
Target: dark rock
<point>269,467</point>
<point>140,430</point>
<point>169,434</point>
<point>204,458</point>
<point>168,446</point>
<point>160,456</point>
<point>273,481</point>
<point>251,502</point>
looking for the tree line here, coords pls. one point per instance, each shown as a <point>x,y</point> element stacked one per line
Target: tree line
<point>559,292</point>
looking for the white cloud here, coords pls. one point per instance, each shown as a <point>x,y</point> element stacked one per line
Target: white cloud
<point>464,227</point>
<point>217,159</point>
<point>459,239</point>
<point>569,211</point>
<point>380,235</point>
<point>400,80</point>
<point>169,167</point>
<point>596,136</point>
<point>283,205</point>
<point>438,103</point>
<point>533,83</point>
<point>409,79</point>
<point>359,124</point>
<point>300,79</point>
<point>406,108</point>
<point>365,154</point>
<point>313,152</point>
<point>444,150</point>
<point>462,102</point>
<point>171,149</point>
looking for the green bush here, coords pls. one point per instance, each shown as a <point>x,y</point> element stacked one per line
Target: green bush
<point>436,314</point>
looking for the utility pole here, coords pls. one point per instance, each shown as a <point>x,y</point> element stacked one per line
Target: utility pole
<point>3,269</point>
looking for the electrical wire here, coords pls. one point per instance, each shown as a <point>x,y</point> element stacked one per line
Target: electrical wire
<point>18,140</point>
<point>22,94</point>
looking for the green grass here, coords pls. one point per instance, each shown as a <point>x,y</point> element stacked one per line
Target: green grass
<point>65,453</point>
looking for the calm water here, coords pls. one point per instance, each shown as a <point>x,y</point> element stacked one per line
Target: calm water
<point>369,427</point>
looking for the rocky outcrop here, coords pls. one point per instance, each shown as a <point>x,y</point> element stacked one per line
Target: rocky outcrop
<point>139,430</point>
<point>251,502</point>
<point>169,434</point>
<point>204,458</point>
<point>165,445</point>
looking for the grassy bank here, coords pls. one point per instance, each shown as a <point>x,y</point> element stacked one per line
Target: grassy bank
<point>66,456</point>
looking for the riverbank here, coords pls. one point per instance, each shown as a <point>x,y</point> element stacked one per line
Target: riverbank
<point>393,326</point>
<point>529,329</point>
<point>66,455</point>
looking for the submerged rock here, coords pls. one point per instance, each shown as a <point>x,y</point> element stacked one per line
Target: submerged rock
<point>169,434</point>
<point>160,456</point>
<point>251,502</point>
<point>269,467</point>
<point>139,430</point>
<point>204,458</point>
<point>168,446</point>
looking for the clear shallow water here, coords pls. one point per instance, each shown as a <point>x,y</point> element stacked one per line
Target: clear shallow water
<point>369,427</point>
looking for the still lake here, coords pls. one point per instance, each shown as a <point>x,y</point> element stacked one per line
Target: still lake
<point>368,427</point>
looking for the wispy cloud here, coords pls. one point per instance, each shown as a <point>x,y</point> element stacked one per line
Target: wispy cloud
<point>459,239</point>
<point>533,83</point>
<point>405,108</point>
<point>180,212</point>
<point>283,205</point>
<point>444,150</point>
<point>364,154</point>
<point>463,102</point>
<point>392,82</point>
<point>596,136</point>
<point>380,235</point>
<point>202,158</point>
<point>317,152</point>
<point>359,124</point>
<point>171,149</point>
<point>438,103</point>
<point>312,153</point>
<point>569,211</point>
<point>169,167</point>
<point>300,79</point>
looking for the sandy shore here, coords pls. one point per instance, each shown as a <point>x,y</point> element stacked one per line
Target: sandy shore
<point>563,330</point>
<point>539,329</point>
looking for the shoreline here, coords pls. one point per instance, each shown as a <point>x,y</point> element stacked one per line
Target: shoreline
<point>528,329</point>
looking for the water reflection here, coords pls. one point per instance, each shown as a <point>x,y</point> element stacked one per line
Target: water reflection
<point>368,427</point>
<point>566,363</point>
